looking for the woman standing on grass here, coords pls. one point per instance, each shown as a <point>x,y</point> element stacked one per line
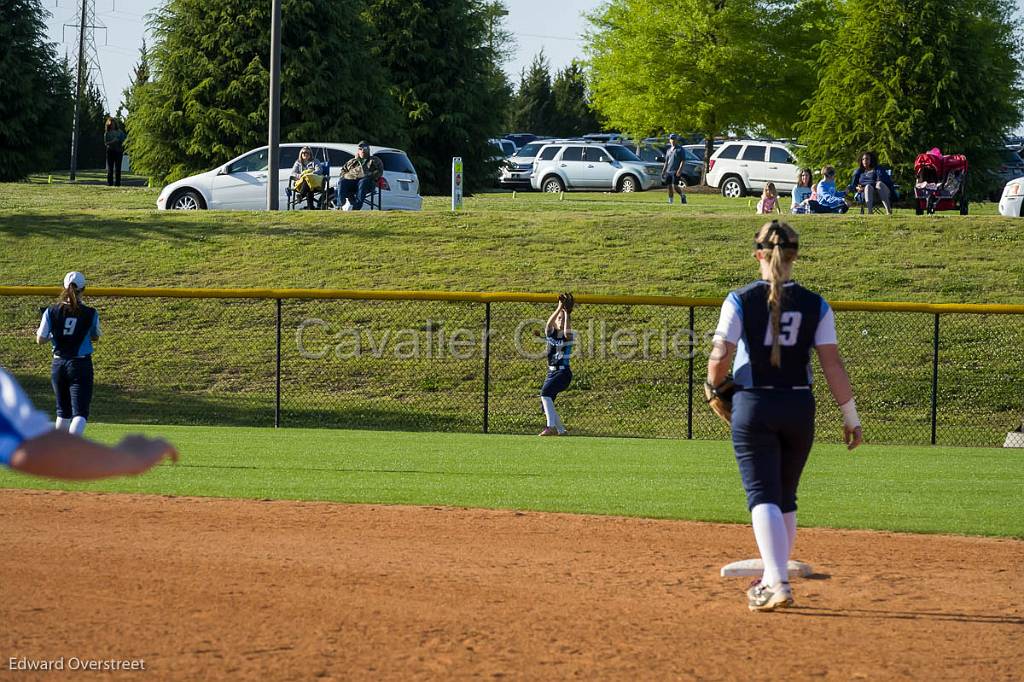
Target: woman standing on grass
<point>71,327</point>
<point>773,323</point>
<point>559,336</point>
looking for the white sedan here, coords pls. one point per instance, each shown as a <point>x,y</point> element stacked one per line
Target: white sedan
<point>241,183</point>
<point>1011,204</point>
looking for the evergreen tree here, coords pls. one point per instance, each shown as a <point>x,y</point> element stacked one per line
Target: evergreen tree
<point>571,113</point>
<point>902,77</point>
<point>533,107</point>
<point>443,58</point>
<point>140,76</point>
<point>708,67</point>
<point>208,94</point>
<point>36,105</point>
<point>92,118</point>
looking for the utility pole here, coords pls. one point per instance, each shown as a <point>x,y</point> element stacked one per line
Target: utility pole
<point>80,72</point>
<point>274,134</point>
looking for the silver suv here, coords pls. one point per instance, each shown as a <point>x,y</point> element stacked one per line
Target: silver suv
<point>565,166</point>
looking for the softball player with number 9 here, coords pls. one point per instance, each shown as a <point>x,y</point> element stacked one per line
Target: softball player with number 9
<point>71,326</point>
<point>770,327</point>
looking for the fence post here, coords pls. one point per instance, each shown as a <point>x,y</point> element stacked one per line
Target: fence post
<point>277,372</point>
<point>689,384</point>
<point>935,376</point>
<point>487,360</point>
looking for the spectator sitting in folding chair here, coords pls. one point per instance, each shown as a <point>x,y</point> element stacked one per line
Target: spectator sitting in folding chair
<point>359,177</point>
<point>306,177</point>
<point>872,184</point>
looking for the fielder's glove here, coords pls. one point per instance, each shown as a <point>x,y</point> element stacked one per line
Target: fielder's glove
<point>567,301</point>
<point>720,398</point>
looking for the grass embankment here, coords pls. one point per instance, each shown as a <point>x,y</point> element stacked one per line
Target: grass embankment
<point>213,362</point>
<point>880,487</point>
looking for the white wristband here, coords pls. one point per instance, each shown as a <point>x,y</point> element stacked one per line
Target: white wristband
<point>850,418</point>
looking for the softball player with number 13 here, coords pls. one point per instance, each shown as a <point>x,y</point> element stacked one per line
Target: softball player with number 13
<point>770,326</point>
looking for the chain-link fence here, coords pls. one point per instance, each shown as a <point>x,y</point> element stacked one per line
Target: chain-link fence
<point>476,362</point>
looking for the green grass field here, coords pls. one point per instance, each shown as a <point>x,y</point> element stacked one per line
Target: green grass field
<point>933,490</point>
<point>184,362</point>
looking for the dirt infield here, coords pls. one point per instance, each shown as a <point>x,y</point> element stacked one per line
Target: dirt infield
<point>225,589</point>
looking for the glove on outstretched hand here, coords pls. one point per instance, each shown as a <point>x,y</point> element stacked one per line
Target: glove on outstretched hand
<point>720,398</point>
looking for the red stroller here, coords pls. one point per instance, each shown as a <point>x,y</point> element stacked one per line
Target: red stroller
<point>941,182</point>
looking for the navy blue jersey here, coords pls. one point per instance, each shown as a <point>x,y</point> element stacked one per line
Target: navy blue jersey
<point>70,331</point>
<point>807,321</point>
<point>559,348</point>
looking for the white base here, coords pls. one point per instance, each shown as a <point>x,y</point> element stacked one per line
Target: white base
<point>1014,439</point>
<point>750,568</point>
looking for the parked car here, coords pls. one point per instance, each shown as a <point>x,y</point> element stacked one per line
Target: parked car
<point>1011,167</point>
<point>698,149</point>
<point>505,148</point>
<point>617,138</point>
<point>241,183</point>
<point>740,167</point>
<point>519,139</point>
<point>1011,203</point>
<point>564,166</point>
<point>517,168</point>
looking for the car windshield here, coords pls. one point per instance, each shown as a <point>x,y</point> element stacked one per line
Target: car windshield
<point>396,162</point>
<point>620,153</point>
<point>528,151</point>
<point>1011,158</point>
<point>509,146</point>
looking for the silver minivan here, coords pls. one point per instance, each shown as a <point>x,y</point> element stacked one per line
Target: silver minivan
<point>584,165</point>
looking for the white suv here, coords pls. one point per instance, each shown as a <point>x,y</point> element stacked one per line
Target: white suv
<point>740,167</point>
<point>586,165</point>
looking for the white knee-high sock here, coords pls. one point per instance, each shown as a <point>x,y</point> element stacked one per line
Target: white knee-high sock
<point>551,414</point>
<point>789,518</point>
<point>62,424</point>
<point>78,426</point>
<point>772,542</point>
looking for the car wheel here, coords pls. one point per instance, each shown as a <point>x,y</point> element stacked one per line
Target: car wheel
<point>629,183</point>
<point>187,200</point>
<point>732,187</point>
<point>552,185</point>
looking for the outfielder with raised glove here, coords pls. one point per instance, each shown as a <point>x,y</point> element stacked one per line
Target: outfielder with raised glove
<point>770,326</point>
<point>559,336</point>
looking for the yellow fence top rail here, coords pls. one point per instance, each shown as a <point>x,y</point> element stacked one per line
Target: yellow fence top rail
<point>496,297</point>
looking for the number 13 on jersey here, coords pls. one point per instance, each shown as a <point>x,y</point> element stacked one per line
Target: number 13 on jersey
<point>789,328</point>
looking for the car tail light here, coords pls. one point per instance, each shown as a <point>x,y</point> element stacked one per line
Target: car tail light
<point>711,164</point>
<point>383,184</point>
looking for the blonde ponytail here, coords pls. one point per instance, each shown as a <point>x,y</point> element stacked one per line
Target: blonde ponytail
<point>69,299</point>
<point>781,241</point>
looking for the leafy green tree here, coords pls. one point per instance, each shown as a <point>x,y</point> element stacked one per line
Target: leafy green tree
<point>208,94</point>
<point>532,108</point>
<point>443,57</point>
<point>903,77</point>
<point>36,87</point>
<point>570,102</point>
<point>708,66</point>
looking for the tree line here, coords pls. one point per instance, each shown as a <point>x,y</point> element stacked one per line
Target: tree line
<point>843,76</point>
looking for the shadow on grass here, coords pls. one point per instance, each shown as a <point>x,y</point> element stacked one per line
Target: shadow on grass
<point>188,226</point>
<point>116,404</point>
